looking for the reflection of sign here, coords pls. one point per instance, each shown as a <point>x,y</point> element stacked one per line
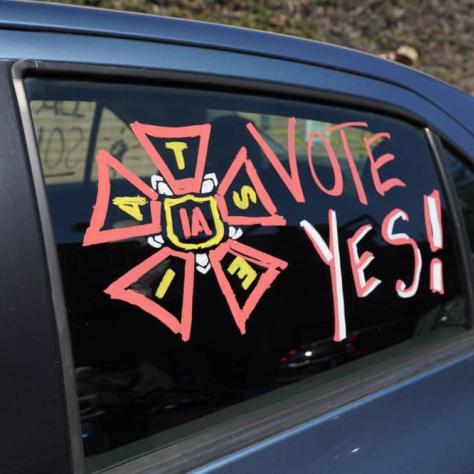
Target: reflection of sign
<point>195,222</point>
<point>63,133</point>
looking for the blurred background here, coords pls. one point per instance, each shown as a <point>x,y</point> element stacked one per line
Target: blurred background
<point>435,36</point>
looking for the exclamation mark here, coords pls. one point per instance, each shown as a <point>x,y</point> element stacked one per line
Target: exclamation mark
<point>434,232</point>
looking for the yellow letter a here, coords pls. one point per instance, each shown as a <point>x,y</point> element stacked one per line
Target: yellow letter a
<point>131,205</point>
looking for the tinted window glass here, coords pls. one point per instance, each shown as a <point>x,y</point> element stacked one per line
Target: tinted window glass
<point>463,177</point>
<point>216,246</point>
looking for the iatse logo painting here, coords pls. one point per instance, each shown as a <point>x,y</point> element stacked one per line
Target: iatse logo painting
<point>185,214</point>
<point>195,222</point>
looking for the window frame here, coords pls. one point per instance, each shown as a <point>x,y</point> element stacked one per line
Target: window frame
<point>228,437</point>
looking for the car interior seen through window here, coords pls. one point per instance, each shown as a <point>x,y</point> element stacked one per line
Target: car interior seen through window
<point>216,246</point>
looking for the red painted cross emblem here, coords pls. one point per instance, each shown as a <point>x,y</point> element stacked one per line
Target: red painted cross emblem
<point>192,220</point>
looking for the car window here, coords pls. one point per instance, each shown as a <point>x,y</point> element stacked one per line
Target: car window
<point>462,173</point>
<point>226,245</point>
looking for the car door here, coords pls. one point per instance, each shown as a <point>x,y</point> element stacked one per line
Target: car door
<point>254,262</point>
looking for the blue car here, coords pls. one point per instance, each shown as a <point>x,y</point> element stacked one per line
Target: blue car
<point>229,251</point>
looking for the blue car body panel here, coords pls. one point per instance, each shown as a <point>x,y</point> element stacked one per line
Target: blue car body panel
<point>97,22</point>
<point>183,32</point>
<point>418,426</point>
<point>421,425</point>
<point>205,62</point>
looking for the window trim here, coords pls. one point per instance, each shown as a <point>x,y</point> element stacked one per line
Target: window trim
<point>57,294</point>
<point>459,230</point>
<point>228,437</point>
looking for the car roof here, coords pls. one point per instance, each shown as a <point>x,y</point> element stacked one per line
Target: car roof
<point>38,16</point>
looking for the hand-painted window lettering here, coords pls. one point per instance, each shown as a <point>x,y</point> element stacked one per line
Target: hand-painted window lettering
<point>213,247</point>
<point>190,215</point>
